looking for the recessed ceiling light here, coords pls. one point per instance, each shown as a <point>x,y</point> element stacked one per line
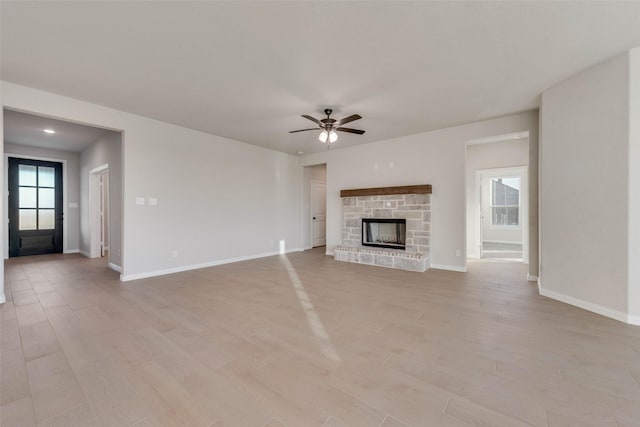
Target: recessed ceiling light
<point>300,152</point>
<point>49,131</point>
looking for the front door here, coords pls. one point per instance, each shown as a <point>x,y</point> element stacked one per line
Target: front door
<point>35,207</point>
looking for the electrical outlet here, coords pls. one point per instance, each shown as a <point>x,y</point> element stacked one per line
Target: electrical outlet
<point>174,253</point>
<point>458,252</point>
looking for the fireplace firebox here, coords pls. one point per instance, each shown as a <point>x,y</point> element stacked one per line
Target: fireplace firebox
<point>384,232</point>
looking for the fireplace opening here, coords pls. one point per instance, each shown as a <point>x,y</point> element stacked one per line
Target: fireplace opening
<point>384,233</point>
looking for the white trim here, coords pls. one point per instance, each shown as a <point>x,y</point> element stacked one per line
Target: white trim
<point>3,298</point>
<point>65,198</point>
<point>85,253</point>
<point>329,252</point>
<point>448,267</point>
<point>589,306</point>
<point>115,267</point>
<point>633,320</point>
<point>71,251</point>
<point>128,277</point>
<point>99,168</point>
<point>532,278</point>
<point>503,241</point>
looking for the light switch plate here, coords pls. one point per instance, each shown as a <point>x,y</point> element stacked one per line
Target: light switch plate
<point>140,201</point>
<point>153,201</point>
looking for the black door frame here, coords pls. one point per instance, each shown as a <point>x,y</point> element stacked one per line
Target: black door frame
<point>63,186</point>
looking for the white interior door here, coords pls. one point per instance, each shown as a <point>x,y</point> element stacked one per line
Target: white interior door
<point>318,214</point>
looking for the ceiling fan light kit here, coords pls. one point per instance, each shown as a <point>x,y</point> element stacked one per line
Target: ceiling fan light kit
<point>332,136</point>
<point>329,127</point>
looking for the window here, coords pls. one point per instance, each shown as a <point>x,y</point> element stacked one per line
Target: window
<point>505,201</point>
<point>36,197</point>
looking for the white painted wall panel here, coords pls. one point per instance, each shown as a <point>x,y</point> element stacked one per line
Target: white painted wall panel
<point>585,184</point>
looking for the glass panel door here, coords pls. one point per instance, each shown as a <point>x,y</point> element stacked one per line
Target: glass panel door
<point>35,207</point>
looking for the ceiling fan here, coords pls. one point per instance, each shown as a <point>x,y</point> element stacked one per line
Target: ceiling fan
<point>329,126</point>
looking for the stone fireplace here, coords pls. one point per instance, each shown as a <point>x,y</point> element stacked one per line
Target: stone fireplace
<point>395,211</point>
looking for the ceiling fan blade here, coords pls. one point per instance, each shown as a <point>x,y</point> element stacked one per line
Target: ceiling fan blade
<point>358,131</point>
<point>313,119</point>
<point>302,130</point>
<point>348,119</point>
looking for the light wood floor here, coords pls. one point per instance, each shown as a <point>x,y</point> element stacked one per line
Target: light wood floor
<point>302,340</point>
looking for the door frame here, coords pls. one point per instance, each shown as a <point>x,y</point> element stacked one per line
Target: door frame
<point>305,233</point>
<point>5,209</point>
<point>95,226</point>
<point>523,171</point>
<point>311,206</point>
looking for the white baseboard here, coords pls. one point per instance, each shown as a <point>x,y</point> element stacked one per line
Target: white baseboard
<point>589,306</point>
<point>3,298</point>
<point>85,253</point>
<point>532,278</point>
<point>329,252</point>
<point>633,320</point>
<point>128,277</point>
<point>502,241</point>
<point>115,267</point>
<point>72,251</point>
<point>448,267</point>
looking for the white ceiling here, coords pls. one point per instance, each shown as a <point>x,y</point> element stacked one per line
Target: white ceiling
<point>247,70</point>
<point>28,129</point>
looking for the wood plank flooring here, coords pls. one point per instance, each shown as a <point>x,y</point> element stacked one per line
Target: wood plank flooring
<point>301,340</point>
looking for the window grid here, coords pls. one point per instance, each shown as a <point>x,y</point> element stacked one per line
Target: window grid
<point>36,217</point>
<point>505,202</point>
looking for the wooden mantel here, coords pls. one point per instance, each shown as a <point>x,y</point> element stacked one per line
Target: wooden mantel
<point>386,191</point>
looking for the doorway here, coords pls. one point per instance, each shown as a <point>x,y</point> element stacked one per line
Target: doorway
<point>497,207</point>
<point>502,219</point>
<point>99,211</point>
<point>313,218</point>
<point>35,207</point>
<point>318,214</point>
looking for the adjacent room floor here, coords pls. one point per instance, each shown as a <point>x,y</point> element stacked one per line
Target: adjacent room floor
<point>301,340</point>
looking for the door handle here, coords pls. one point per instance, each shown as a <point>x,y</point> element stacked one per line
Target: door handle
<point>314,217</point>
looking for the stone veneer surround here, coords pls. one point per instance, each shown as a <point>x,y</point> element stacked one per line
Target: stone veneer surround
<point>415,208</point>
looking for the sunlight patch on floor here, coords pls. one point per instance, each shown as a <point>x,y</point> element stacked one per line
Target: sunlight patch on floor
<point>315,323</point>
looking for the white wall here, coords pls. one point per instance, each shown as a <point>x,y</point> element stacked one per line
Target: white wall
<point>436,158</point>
<point>107,150</point>
<point>493,155</point>
<point>584,187</point>
<point>72,187</point>
<point>218,199</point>
<point>634,186</point>
<point>310,173</point>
